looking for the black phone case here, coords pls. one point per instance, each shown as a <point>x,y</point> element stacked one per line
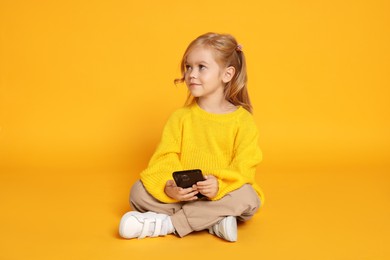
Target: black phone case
<point>186,179</point>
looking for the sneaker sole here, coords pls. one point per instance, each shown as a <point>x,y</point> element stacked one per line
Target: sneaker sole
<point>228,223</point>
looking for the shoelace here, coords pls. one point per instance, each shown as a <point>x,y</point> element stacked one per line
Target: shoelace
<point>145,228</point>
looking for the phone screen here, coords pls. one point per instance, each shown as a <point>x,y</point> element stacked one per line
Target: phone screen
<point>187,178</point>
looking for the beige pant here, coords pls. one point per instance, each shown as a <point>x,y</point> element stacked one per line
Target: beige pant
<point>198,215</point>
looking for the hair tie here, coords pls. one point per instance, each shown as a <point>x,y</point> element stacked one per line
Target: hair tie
<point>239,48</point>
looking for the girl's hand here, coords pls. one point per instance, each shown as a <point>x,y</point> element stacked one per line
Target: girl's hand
<point>208,187</point>
<point>178,193</point>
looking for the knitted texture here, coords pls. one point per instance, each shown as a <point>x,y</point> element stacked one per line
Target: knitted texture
<point>223,145</point>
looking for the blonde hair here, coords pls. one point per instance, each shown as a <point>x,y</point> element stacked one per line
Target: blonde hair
<point>228,53</point>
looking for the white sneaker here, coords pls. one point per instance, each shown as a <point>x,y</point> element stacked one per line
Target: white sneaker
<point>136,224</point>
<point>226,229</point>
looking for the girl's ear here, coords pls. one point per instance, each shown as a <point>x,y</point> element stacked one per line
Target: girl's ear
<point>228,74</point>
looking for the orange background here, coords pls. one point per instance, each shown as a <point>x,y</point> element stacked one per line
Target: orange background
<point>86,87</point>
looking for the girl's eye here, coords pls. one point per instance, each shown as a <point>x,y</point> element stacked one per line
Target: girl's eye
<point>202,67</point>
<point>188,67</point>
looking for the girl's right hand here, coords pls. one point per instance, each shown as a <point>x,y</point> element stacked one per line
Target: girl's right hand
<point>178,193</point>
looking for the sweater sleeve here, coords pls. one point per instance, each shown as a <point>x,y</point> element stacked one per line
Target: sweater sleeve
<point>242,169</point>
<point>165,160</point>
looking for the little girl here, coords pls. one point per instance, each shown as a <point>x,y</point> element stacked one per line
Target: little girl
<point>214,132</point>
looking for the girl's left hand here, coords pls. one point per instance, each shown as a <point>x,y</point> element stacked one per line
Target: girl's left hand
<point>209,187</point>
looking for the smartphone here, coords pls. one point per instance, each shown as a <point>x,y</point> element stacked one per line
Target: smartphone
<point>186,179</point>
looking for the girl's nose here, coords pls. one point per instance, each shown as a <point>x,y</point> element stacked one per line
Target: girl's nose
<point>193,74</point>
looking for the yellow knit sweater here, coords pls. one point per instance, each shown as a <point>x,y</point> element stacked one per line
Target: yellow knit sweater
<point>224,145</point>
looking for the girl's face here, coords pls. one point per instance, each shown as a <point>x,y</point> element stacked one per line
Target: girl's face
<point>204,77</point>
